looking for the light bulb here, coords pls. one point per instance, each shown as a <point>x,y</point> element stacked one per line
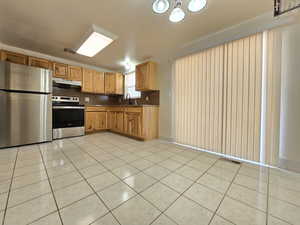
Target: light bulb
<point>196,5</point>
<point>176,15</point>
<point>160,6</point>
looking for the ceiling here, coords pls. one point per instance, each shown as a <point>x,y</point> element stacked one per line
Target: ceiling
<point>49,26</point>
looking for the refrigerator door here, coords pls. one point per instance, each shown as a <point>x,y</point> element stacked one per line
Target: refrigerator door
<point>25,118</point>
<point>15,77</point>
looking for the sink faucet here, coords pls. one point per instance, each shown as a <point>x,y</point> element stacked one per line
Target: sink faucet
<point>127,97</point>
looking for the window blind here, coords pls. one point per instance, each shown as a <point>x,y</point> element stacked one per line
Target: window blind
<point>217,98</point>
<point>242,98</point>
<point>198,87</point>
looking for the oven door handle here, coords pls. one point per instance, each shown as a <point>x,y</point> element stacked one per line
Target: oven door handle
<point>68,107</point>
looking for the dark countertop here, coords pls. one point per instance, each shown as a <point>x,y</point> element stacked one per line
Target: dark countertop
<point>144,105</point>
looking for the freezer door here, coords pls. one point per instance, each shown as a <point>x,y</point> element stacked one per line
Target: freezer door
<point>25,118</point>
<point>17,77</point>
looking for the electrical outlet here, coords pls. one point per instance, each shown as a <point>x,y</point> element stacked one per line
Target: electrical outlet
<point>87,99</point>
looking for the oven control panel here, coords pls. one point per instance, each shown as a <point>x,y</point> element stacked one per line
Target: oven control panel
<point>65,99</point>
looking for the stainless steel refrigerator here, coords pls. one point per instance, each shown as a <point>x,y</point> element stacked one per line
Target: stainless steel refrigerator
<point>25,105</point>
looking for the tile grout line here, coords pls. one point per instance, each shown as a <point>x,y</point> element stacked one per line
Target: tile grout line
<point>52,192</point>
<point>10,185</point>
<point>172,171</point>
<point>92,189</point>
<point>182,194</point>
<point>122,180</point>
<point>154,163</point>
<point>139,193</point>
<point>215,213</point>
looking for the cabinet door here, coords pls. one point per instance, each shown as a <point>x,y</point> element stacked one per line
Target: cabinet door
<point>140,73</point>
<point>109,83</point>
<point>145,76</point>
<point>74,73</point>
<point>100,121</point>
<point>87,81</point>
<point>98,82</point>
<point>14,57</point>
<point>60,70</point>
<point>111,120</point>
<point>119,84</point>
<point>120,122</point>
<point>90,118</point>
<point>38,62</point>
<point>133,124</point>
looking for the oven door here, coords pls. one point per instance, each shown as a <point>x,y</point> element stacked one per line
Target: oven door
<point>68,121</point>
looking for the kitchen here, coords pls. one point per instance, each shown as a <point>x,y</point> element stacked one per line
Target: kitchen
<point>70,118</point>
<point>161,112</point>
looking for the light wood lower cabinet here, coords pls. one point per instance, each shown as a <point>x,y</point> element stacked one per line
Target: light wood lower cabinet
<point>111,120</point>
<point>116,121</point>
<point>100,121</point>
<point>119,122</point>
<point>95,119</point>
<point>133,124</point>
<point>90,118</point>
<point>139,122</point>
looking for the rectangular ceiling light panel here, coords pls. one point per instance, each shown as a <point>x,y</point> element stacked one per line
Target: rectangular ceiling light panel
<point>96,40</point>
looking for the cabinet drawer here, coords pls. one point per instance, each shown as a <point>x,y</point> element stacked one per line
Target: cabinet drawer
<point>60,70</point>
<point>134,109</point>
<point>95,109</point>
<point>116,109</point>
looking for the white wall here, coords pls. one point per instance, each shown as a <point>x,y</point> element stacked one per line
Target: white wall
<point>290,99</point>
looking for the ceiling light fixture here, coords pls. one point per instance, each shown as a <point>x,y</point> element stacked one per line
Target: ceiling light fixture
<point>95,41</point>
<point>160,6</point>
<point>196,5</point>
<point>177,14</point>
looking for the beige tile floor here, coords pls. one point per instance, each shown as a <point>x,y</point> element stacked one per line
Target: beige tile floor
<point>107,179</point>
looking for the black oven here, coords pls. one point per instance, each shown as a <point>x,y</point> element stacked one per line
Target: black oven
<point>68,117</point>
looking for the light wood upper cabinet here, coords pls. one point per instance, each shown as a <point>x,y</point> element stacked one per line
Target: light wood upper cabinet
<point>114,83</point>
<point>109,83</point>
<point>38,62</point>
<point>14,57</point>
<point>87,81</point>
<point>119,84</point>
<point>60,70</point>
<point>93,81</point>
<point>98,82</point>
<point>74,73</point>
<point>145,75</point>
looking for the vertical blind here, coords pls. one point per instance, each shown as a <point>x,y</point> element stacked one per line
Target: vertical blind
<point>242,98</point>
<point>198,87</point>
<point>217,98</point>
<point>273,92</point>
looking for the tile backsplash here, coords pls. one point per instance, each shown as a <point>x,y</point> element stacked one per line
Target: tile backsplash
<point>149,98</point>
